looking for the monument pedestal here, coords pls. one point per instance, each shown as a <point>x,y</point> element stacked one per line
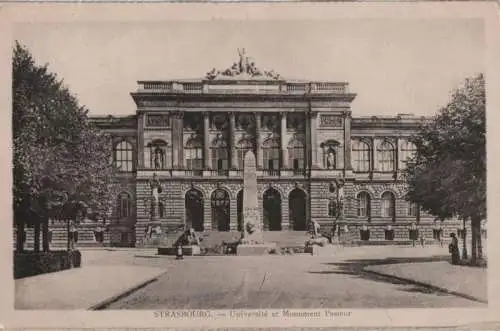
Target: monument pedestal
<point>327,250</point>
<point>254,249</point>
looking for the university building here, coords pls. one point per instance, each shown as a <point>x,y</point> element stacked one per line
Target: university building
<point>192,135</point>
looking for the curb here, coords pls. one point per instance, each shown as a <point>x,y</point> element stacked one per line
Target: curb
<point>429,286</point>
<point>106,302</point>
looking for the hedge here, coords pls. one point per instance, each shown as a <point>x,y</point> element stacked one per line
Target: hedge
<point>30,263</point>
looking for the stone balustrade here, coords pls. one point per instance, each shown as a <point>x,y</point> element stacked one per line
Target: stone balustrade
<point>278,87</point>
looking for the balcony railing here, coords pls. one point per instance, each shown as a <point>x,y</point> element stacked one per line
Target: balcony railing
<point>148,172</point>
<point>271,87</point>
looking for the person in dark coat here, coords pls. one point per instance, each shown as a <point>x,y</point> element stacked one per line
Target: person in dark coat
<point>453,249</point>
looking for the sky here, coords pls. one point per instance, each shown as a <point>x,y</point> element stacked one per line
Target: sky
<point>394,66</point>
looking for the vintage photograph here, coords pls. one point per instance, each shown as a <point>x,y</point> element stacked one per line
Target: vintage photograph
<point>238,164</point>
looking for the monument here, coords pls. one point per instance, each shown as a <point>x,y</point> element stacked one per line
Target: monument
<point>252,242</point>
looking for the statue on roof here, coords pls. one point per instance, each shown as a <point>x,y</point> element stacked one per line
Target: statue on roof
<point>243,61</point>
<point>243,67</point>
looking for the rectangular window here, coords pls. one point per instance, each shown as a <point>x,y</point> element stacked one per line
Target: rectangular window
<point>361,160</point>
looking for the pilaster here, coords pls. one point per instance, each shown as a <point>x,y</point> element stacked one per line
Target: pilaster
<point>347,142</point>
<point>258,141</point>
<point>206,140</point>
<point>314,145</point>
<point>177,140</point>
<point>140,141</point>
<point>232,143</point>
<point>284,150</point>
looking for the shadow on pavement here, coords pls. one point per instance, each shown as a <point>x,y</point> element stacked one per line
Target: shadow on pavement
<point>356,268</point>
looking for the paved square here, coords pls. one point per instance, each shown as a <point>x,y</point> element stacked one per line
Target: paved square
<point>297,281</point>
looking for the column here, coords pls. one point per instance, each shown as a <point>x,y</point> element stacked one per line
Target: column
<point>232,141</point>
<point>206,140</point>
<point>396,154</point>
<point>396,158</point>
<point>308,152</point>
<point>374,154</point>
<point>140,141</point>
<point>177,140</point>
<point>258,150</point>
<point>314,147</point>
<point>347,142</point>
<point>284,150</point>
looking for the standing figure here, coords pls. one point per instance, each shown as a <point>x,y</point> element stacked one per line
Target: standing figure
<point>316,228</point>
<point>158,160</point>
<point>243,61</point>
<point>330,161</point>
<point>155,195</point>
<point>453,249</point>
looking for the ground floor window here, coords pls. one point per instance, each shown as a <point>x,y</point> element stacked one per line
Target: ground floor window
<point>365,234</point>
<point>389,234</point>
<point>436,234</point>
<point>413,234</point>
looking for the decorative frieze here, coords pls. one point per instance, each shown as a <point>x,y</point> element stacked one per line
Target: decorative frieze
<point>158,121</point>
<point>330,121</point>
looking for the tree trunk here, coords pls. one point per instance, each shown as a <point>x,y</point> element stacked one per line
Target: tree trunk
<point>474,225</point>
<point>480,245</point>
<point>20,237</point>
<point>464,249</point>
<point>45,234</point>
<point>36,244</point>
<point>68,234</point>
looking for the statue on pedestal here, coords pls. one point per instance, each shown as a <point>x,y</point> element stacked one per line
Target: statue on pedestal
<point>156,189</point>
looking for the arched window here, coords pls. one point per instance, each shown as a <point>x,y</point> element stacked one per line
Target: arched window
<point>386,156</point>
<point>271,154</point>
<point>124,205</point>
<point>364,205</point>
<point>389,205</point>
<point>243,146</point>
<point>296,155</point>
<point>194,154</point>
<point>123,156</point>
<point>408,150</point>
<point>360,156</point>
<point>220,157</point>
<point>159,155</point>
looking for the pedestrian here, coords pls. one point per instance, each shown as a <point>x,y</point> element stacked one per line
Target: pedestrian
<point>453,249</point>
<point>422,240</point>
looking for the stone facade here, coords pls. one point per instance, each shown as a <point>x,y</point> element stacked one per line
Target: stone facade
<point>193,135</point>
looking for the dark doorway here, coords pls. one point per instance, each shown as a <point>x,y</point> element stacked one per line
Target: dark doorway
<point>220,210</point>
<point>297,208</point>
<point>272,210</point>
<point>194,209</point>
<point>239,209</point>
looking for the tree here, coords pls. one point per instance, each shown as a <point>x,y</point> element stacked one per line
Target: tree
<point>61,162</point>
<point>447,175</point>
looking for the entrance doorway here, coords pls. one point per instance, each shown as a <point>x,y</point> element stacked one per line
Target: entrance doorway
<point>272,210</point>
<point>193,203</point>
<point>297,208</point>
<point>220,210</point>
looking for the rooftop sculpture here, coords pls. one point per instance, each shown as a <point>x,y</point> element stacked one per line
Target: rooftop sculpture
<point>244,67</point>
